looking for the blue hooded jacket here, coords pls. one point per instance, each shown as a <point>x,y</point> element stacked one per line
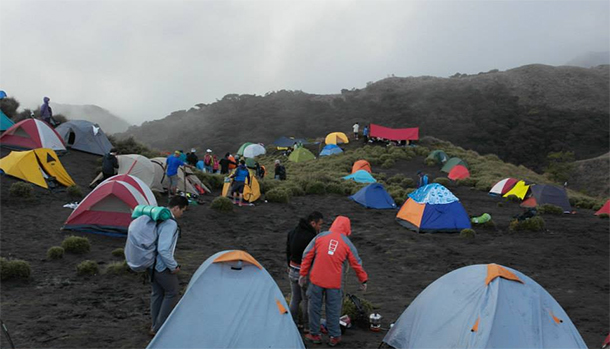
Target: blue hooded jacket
<point>45,110</point>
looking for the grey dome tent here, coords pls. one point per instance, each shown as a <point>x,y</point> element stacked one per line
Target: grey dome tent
<point>84,136</point>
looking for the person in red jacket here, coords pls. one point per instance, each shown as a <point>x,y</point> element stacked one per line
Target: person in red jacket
<point>323,262</point>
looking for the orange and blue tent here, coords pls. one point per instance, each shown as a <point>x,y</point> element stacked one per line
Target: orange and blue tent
<point>433,208</point>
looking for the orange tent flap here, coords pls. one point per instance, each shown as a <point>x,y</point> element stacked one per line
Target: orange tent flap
<point>475,328</point>
<point>412,212</point>
<point>494,271</point>
<point>280,306</point>
<point>555,318</point>
<point>361,165</point>
<point>238,256</point>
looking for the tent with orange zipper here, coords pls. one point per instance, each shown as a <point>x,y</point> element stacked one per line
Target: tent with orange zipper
<point>361,165</point>
<point>484,306</point>
<point>605,209</point>
<point>230,302</point>
<point>458,172</point>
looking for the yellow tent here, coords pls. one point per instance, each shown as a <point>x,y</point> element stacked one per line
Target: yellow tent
<point>336,137</point>
<point>252,189</point>
<point>519,190</point>
<point>35,166</point>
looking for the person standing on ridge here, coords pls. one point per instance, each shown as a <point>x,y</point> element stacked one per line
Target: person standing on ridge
<point>323,263</point>
<point>356,128</point>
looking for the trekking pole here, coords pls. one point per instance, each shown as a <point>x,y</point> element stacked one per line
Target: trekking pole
<point>8,336</point>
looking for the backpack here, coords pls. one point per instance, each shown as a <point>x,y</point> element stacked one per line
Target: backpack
<point>207,160</point>
<point>361,316</point>
<point>142,236</point>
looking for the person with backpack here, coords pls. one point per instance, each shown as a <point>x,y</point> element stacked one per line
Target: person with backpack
<point>109,164</point>
<point>215,164</point>
<point>208,161</point>
<point>240,176</point>
<point>225,163</point>
<point>280,171</point>
<point>165,284</point>
<point>297,241</point>
<point>422,179</point>
<point>191,158</point>
<point>323,263</point>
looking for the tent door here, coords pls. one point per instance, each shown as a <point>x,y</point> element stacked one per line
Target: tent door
<point>71,138</point>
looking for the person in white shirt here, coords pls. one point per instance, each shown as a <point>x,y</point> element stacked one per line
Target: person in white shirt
<point>356,129</point>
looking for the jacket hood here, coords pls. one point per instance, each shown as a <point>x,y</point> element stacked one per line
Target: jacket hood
<point>46,99</point>
<point>342,225</point>
<point>304,225</point>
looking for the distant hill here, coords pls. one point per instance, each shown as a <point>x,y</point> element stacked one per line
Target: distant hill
<point>520,114</point>
<point>591,59</point>
<point>109,122</point>
<point>592,176</point>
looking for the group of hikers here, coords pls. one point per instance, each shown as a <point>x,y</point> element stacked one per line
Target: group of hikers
<point>315,261</point>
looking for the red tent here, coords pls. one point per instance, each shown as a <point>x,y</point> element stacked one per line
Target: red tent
<point>605,209</point>
<point>458,172</point>
<point>395,134</point>
<point>32,134</point>
<point>138,184</point>
<point>107,209</point>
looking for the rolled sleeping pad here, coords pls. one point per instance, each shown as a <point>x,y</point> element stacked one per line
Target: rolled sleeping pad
<point>484,218</point>
<point>157,213</point>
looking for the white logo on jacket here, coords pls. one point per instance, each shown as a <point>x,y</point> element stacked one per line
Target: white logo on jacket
<point>332,247</point>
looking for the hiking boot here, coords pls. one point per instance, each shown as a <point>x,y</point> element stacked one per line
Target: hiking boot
<point>334,341</point>
<point>314,338</point>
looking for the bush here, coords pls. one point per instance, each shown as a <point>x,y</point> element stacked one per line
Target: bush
<point>315,188</point>
<point>76,245</point>
<point>513,198</point>
<point>421,151</point>
<point>14,269</point>
<point>222,204</point>
<point>212,181</point>
<point>87,267</point>
<point>408,183</point>
<point>467,182</point>
<point>55,252</point>
<point>550,209</point>
<point>268,184</point>
<point>468,233</point>
<point>389,163</point>
<point>385,157</point>
<point>335,188</point>
<point>585,203</point>
<point>598,206</point>
<point>442,181</point>
<point>118,268</point>
<point>75,192</point>
<point>397,179</point>
<point>490,224</point>
<point>295,189</point>
<point>119,252</point>
<point>430,162</point>
<point>20,190</point>
<point>399,196</point>
<point>531,224</point>
<point>604,215</point>
<point>280,195</point>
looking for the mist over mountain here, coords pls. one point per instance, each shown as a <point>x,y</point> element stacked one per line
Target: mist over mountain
<point>590,59</point>
<point>109,122</point>
<point>520,114</point>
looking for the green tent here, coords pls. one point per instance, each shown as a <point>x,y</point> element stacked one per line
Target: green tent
<point>5,122</point>
<point>439,156</point>
<point>250,163</point>
<point>301,154</point>
<point>240,152</point>
<point>451,163</point>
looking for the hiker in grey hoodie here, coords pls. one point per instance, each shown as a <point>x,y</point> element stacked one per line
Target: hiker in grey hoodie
<point>165,285</point>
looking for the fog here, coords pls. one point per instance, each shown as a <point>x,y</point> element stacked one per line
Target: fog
<point>144,59</point>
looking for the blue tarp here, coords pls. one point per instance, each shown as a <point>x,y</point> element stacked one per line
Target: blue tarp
<point>374,196</point>
<point>361,176</point>
<point>331,149</point>
<point>463,310</point>
<point>433,194</point>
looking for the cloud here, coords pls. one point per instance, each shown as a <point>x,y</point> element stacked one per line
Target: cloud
<point>145,59</point>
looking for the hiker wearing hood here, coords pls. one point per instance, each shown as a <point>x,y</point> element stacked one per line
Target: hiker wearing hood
<point>297,241</point>
<point>46,113</point>
<point>324,262</point>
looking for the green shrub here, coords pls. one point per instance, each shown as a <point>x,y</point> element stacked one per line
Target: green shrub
<point>513,198</point>
<point>421,151</point>
<point>357,188</point>
<point>490,224</point>
<point>598,206</point>
<point>14,269</point>
<point>335,188</point>
<point>484,184</point>
<point>268,184</point>
<point>389,163</point>
<point>118,252</point>
<point>55,252</point>
<point>385,157</point>
<point>585,203</point>
<point>468,233</point>
<point>397,179</point>
<point>315,188</point>
<point>350,309</point>
<point>74,191</point>
<point>408,183</point>
<point>399,196</point>
<point>212,181</point>
<point>87,267</point>
<point>531,224</point>
<point>280,195</point>
<point>430,162</point>
<point>76,245</point>
<point>118,268</point>
<point>20,190</point>
<point>604,215</point>
<point>550,209</point>
<point>442,181</point>
<point>467,182</point>
<point>295,189</point>
<point>222,203</point>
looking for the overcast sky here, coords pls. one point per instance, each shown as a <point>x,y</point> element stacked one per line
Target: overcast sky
<point>144,59</point>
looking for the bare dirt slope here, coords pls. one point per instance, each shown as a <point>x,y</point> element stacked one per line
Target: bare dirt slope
<point>56,308</point>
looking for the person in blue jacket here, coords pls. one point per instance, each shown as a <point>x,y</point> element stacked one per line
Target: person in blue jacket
<point>240,176</point>
<point>423,179</point>
<point>171,171</point>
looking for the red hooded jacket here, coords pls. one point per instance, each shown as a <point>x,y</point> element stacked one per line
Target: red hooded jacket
<point>327,254</point>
